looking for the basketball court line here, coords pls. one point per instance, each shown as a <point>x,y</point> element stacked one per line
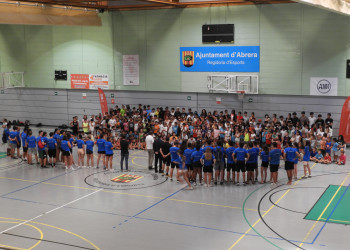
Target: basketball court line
<point>156,220</point>
<point>50,211</point>
<point>256,222</point>
<point>324,224</point>
<point>324,210</point>
<point>58,228</point>
<point>123,193</point>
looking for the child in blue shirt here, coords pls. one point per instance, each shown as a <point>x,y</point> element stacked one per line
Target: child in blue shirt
<point>335,150</point>
<point>264,155</point>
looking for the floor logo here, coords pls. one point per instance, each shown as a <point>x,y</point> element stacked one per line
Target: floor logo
<point>126,178</point>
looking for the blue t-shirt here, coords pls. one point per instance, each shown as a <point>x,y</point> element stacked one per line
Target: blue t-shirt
<point>44,140</point>
<point>205,148</point>
<point>80,143</point>
<point>328,147</point>
<point>64,145</point>
<point>229,153</point>
<point>196,156</point>
<point>24,138</point>
<point>108,148</point>
<point>296,160</point>
<point>275,156</point>
<point>13,135</point>
<point>335,147</point>
<point>18,137</point>
<point>290,154</point>
<point>51,143</point>
<point>188,153</point>
<point>257,150</point>
<point>100,145</point>
<point>173,153</point>
<point>264,156</point>
<point>313,153</point>
<point>252,155</point>
<point>319,156</point>
<point>208,162</point>
<point>7,133</point>
<point>31,140</point>
<point>57,137</point>
<point>222,152</point>
<point>240,154</point>
<point>306,154</point>
<point>89,145</point>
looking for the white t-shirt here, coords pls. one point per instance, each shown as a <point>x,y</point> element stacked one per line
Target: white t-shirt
<point>149,141</point>
<point>312,120</point>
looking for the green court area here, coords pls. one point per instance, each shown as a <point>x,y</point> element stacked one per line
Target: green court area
<point>2,155</point>
<point>325,205</point>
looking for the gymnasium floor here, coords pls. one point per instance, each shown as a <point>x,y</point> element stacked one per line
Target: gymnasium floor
<point>84,209</point>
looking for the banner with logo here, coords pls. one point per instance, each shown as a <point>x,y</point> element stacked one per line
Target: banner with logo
<point>89,81</point>
<point>79,81</point>
<point>103,101</point>
<point>131,70</point>
<point>98,81</point>
<point>324,86</point>
<point>220,59</point>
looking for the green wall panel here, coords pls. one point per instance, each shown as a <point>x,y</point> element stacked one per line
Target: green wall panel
<point>296,42</point>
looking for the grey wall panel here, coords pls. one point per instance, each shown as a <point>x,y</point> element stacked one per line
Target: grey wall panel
<point>28,104</point>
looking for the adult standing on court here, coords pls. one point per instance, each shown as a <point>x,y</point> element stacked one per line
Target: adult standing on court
<point>149,146</point>
<point>124,153</point>
<point>157,155</point>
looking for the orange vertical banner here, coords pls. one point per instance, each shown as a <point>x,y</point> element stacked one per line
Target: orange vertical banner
<point>344,128</point>
<point>103,101</point>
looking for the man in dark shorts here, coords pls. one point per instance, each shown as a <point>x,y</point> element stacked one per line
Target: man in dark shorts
<point>274,158</point>
<point>165,152</point>
<point>240,154</point>
<point>230,163</point>
<point>290,154</point>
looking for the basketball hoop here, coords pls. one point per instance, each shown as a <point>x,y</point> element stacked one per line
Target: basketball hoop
<point>240,94</point>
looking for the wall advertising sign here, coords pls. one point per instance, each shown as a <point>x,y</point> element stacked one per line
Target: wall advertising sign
<point>220,59</point>
<point>89,81</point>
<point>324,86</point>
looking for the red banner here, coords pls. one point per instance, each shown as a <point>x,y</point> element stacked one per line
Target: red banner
<point>344,128</point>
<point>103,101</point>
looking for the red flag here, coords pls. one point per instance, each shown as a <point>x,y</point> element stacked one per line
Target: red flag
<point>344,128</point>
<point>103,102</point>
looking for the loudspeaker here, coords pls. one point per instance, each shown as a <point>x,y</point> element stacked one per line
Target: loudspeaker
<point>348,69</point>
<point>60,75</point>
<point>218,33</point>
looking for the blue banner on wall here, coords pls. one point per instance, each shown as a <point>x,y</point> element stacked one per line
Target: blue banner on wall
<point>220,59</point>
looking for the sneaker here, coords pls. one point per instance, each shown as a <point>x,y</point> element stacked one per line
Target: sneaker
<point>171,179</point>
<point>221,183</point>
<point>216,183</point>
<point>237,184</point>
<point>309,176</point>
<point>167,174</point>
<point>295,178</point>
<point>211,185</point>
<point>194,184</point>
<point>66,168</point>
<point>201,184</point>
<point>206,185</point>
<point>304,177</point>
<point>244,183</point>
<point>189,188</point>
